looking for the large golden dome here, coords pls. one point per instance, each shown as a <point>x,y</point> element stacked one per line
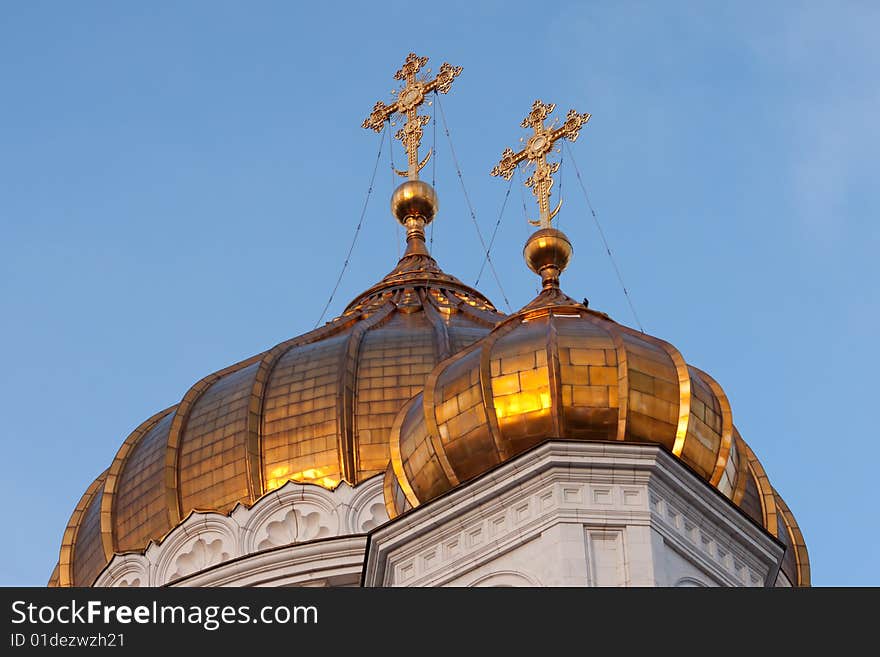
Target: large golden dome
<point>317,408</point>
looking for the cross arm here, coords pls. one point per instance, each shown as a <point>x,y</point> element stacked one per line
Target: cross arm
<point>572,126</point>
<point>445,77</point>
<point>381,112</point>
<point>508,163</point>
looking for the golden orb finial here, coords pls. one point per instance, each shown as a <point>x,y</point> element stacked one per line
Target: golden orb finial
<point>414,198</point>
<point>547,253</point>
<point>414,204</point>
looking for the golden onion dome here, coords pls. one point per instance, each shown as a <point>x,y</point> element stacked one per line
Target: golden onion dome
<point>559,370</point>
<point>317,409</point>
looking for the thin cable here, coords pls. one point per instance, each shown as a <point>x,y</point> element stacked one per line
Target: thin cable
<point>357,230</point>
<point>561,180</point>
<point>604,241</point>
<point>433,165</point>
<point>495,232</point>
<point>393,187</point>
<point>470,206</point>
<point>522,194</point>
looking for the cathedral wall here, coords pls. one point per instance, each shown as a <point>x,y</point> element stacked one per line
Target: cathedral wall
<point>577,514</point>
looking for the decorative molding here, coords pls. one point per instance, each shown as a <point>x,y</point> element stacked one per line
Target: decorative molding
<point>329,562</point>
<point>616,492</point>
<point>725,555</point>
<point>294,514</point>
<point>505,578</point>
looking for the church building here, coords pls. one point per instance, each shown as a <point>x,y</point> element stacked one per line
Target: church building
<point>423,438</point>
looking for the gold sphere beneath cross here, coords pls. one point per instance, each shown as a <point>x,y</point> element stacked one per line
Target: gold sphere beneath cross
<point>414,198</point>
<point>547,248</point>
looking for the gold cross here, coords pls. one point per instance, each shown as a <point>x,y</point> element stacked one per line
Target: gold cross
<point>408,100</point>
<point>536,150</point>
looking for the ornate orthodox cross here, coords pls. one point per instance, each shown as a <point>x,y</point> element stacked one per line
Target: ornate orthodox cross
<point>408,100</point>
<point>536,150</point>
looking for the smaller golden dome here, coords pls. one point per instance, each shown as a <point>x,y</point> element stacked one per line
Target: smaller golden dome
<point>558,370</point>
<point>414,198</point>
<point>547,253</point>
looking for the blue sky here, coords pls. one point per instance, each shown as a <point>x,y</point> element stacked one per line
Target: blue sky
<point>179,184</point>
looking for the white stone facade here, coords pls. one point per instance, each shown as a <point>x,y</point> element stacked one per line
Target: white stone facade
<point>564,514</point>
<point>577,514</point>
<point>295,535</point>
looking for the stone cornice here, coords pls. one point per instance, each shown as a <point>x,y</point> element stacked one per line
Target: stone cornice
<point>298,515</point>
<point>593,484</point>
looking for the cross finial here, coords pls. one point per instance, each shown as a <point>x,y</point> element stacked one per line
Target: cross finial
<point>408,100</point>
<point>535,152</point>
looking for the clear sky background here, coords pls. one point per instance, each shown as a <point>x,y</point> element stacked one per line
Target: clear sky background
<point>180,182</point>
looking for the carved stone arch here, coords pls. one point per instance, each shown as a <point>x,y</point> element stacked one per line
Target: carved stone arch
<point>125,570</point>
<point>293,514</point>
<point>201,541</point>
<point>687,582</point>
<point>254,519</point>
<point>363,512</point>
<point>505,578</point>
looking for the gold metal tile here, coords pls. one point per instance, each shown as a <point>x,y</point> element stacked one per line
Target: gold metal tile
<point>66,576</point>
<point>796,541</point>
<point>88,552</point>
<point>140,512</point>
<point>589,356</point>
<point>212,458</point>
<point>307,373</point>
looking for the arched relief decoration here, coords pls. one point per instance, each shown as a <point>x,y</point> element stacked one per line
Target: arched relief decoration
<point>511,578</point>
<point>362,513</point>
<point>204,539</point>
<point>294,513</point>
<point>373,516</point>
<point>296,516</point>
<point>295,526</point>
<point>201,555</point>
<point>690,582</point>
<point>126,570</point>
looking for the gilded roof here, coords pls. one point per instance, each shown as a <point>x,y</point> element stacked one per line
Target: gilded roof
<point>317,408</point>
<point>557,369</point>
<point>422,379</point>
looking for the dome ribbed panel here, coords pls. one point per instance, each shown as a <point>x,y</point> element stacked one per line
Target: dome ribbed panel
<point>140,513</point>
<point>789,559</point>
<point>653,392</point>
<point>300,427</point>
<point>796,552</point>
<point>521,386</point>
<point>751,502</point>
<point>395,359</point>
<point>395,498</point>
<point>703,440</point>
<point>53,578</point>
<point>461,418</point>
<point>421,466</point>
<point>588,369</point>
<point>463,332</point>
<point>212,460</point>
<point>728,478</point>
<point>88,554</point>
